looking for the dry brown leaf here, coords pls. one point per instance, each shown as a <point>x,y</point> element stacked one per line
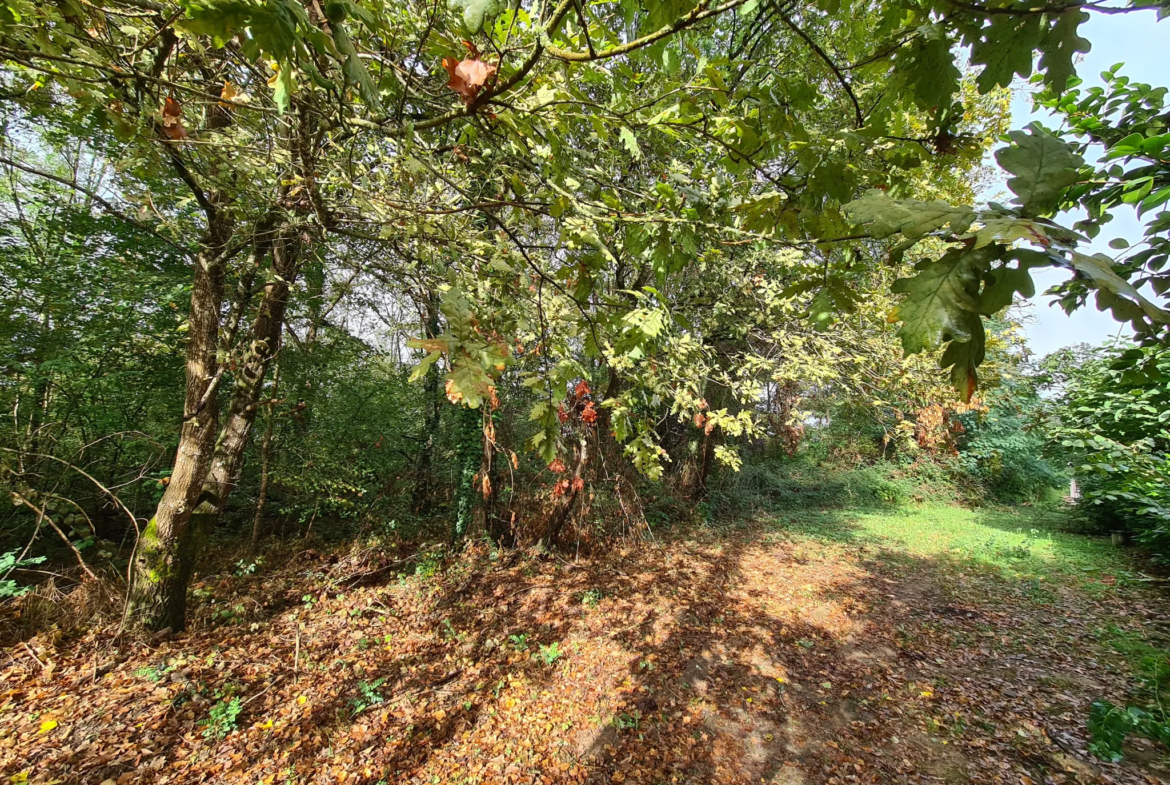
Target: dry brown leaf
<point>172,120</point>
<point>468,75</point>
<point>228,93</point>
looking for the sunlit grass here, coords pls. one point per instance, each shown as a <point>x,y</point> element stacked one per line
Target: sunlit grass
<point>1019,542</point>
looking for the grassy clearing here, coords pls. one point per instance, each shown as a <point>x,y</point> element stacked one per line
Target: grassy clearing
<point>1021,543</point>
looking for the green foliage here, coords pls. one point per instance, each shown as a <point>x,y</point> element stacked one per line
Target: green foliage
<point>947,300</point>
<point>428,564</point>
<point>1129,120</point>
<point>1110,420</point>
<point>368,696</point>
<point>781,486</point>
<point>245,567</point>
<point>1110,725</point>
<point>1002,446</point>
<point>8,562</point>
<point>474,13</point>
<point>550,653</point>
<point>1044,167</point>
<point>221,719</point>
<point>614,235</point>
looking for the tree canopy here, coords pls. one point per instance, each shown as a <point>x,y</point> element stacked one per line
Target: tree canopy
<point>629,218</point>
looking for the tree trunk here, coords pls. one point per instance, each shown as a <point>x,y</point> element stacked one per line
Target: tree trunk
<point>498,529</point>
<point>265,467</point>
<point>563,509</point>
<point>469,432</point>
<point>166,552</point>
<point>432,411</point>
<point>267,328</point>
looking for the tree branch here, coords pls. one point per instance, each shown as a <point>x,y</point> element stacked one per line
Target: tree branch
<point>821,53</point>
<point>701,11</point>
<point>109,208</point>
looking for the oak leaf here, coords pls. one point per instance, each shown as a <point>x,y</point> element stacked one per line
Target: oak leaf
<point>228,93</point>
<point>469,75</point>
<point>172,120</point>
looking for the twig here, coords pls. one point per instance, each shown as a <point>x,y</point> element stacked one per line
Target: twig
<point>109,208</point>
<point>44,516</point>
<point>266,689</point>
<point>33,654</point>
<point>837,71</point>
<point>360,575</point>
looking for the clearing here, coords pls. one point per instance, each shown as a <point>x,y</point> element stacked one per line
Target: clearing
<point>930,645</point>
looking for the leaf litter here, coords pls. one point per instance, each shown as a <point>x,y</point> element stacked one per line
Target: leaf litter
<point>749,657</point>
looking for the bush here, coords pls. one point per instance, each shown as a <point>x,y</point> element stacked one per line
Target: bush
<point>794,484</point>
<point>1111,421</point>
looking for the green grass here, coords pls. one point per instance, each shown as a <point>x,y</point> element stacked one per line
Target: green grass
<point>1021,543</point>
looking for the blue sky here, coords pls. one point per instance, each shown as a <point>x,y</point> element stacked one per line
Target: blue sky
<point>1139,41</point>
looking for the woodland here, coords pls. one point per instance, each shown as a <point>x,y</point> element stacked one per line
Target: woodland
<point>579,391</point>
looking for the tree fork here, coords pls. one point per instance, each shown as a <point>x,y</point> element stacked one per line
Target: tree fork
<point>165,556</point>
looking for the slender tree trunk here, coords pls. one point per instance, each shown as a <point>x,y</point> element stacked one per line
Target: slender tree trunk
<point>266,332</point>
<point>166,552</point>
<point>470,453</point>
<point>497,528</point>
<point>707,444</point>
<point>564,506</point>
<point>432,411</point>
<point>265,467</point>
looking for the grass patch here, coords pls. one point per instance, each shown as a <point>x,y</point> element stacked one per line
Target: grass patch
<point>1022,544</point>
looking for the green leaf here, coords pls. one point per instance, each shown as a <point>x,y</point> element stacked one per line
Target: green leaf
<point>940,299</point>
<point>1008,229</point>
<point>474,12</point>
<point>1043,165</point>
<point>911,217</point>
<point>631,142</point>
<point>421,369</point>
<point>354,69</point>
<point>1098,269</point>
<point>927,67</point>
<point>1004,49</point>
<point>282,91</point>
<point>1060,47</point>
<point>670,61</point>
<point>964,357</point>
<point>1002,283</point>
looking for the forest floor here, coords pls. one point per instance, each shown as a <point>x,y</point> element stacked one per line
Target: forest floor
<point>932,645</point>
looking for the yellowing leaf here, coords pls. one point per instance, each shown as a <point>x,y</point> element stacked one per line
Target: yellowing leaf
<point>48,725</point>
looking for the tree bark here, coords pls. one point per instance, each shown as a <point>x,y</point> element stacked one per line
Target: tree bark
<point>563,508</point>
<point>469,433</point>
<point>265,467</point>
<point>432,411</point>
<point>166,552</point>
<point>265,335</point>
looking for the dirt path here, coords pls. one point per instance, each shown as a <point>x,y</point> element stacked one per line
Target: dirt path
<point>741,658</point>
